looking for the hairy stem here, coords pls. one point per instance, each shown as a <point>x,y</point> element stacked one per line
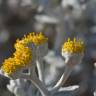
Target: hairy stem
<point>62,80</point>
<point>40,69</point>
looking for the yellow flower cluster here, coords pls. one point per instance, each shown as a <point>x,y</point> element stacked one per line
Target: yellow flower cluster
<point>73,46</point>
<point>8,66</point>
<point>23,54</point>
<point>35,38</point>
<point>20,59</point>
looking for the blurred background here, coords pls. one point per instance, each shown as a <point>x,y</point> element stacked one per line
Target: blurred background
<point>58,20</point>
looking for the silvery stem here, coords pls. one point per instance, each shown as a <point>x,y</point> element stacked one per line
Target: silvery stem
<point>62,80</point>
<point>38,83</point>
<point>40,69</point>
<point>40,86</point>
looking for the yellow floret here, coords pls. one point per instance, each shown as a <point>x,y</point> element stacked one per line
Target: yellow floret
<point>23,56</point>
<point>73,46</point>
<point>19,44</point>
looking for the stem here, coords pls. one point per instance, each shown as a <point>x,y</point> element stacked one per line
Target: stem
<point>40,86</point>
<point>62,80</point>
<point>40,69</point>
<point>37,83</point>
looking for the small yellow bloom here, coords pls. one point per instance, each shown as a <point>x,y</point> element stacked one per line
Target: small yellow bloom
<point>73,46</point>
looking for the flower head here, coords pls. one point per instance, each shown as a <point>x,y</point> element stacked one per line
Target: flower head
<point>37,38</point>
<point>23,54</point>
<point>73,46</point>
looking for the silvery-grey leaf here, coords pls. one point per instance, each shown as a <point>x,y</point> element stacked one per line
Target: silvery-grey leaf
<point>54,68</point>
<point>66,3</point>
<point>3,86</point>
<point>46,19</point>
<point>95,93</point>
<point>54,59</point>
<point>21,87</point>
<point>93,29</point>
<point>68,91</point>
<point>69,88</point>
<point>90,10</point>
<point>26,3</point>
<point>4,36</point>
